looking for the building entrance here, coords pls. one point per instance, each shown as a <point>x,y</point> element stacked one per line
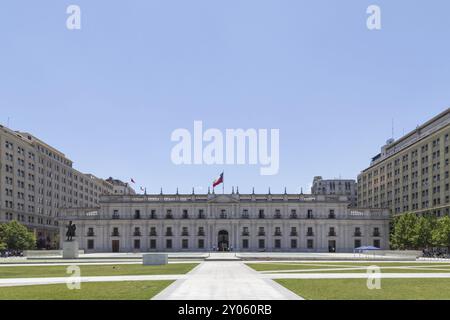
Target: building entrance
<point>223,242</point>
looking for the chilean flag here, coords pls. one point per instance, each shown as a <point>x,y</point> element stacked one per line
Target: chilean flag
<point>218,181</point>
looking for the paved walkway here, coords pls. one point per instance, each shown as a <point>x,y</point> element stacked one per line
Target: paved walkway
<point>58,280</point>
<point>225,281</point>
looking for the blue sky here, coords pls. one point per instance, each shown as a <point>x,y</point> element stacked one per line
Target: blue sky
<point>110,95</point>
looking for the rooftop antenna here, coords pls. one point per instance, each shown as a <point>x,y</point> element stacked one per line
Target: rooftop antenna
<point>392,128</point>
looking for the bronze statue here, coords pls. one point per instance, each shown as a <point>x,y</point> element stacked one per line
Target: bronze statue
<point>70,231</point>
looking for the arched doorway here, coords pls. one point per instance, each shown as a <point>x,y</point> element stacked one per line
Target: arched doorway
<point>223,242</point>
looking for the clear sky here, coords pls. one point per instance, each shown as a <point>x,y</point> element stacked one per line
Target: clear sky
<point>110,95</point>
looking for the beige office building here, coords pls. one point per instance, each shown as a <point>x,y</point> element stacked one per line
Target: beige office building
<point>411,174</point>
<point>340,187</point>
<point>37,181</point>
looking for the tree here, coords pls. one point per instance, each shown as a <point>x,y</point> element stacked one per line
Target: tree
<point>16,236</point>
<point>423,232</point>
<point>405,231</point>
<point>441,234</point>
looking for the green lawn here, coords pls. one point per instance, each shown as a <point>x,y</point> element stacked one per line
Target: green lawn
<point>356,289</point>
<point>128,290</point>
<point>304,267</point>
<point>95,270</point>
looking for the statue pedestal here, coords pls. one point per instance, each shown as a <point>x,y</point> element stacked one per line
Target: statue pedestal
<point>70,250</point>
<point>154,259</point>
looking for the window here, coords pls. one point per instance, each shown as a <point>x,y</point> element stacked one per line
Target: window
<point>261,214</point>
<point>357,243</point>
<point>376,243</point>
<point>331,232</point>
<point>137,244</point>
<point>90,244</point>
<point>331,214</point>
<point>277,243</point>
<point>310,244</point>
<point>261,231</point>
<point>168,243</point>
<point>137,214</point>
<point>261,244</point>
<point>201,243</point>
<point>310,232</point>
<point>293,214</point>
<point>137,232</point>
<point>245,243</point>
<point>310,214</point>
<point>376,232</point>
<point>277,231</point>
<point>184,243</point>
<point>277,214</point>
<point>153,244</point>
<point>293,243</point>
<point>115,232</point>
<point>294,231</point>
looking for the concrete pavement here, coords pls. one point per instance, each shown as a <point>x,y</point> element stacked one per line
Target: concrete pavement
<point>58,280</point>
<point>225,281</point>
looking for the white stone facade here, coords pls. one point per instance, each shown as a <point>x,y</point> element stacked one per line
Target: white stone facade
<point>251,222</point>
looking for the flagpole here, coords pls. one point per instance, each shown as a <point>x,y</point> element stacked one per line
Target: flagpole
<point>223,183</point>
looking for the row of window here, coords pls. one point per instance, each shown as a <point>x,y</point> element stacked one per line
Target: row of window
<point>30,219</point>
<point>245,232</point>
<point>223,214</point>
<point>51,174</point>
<point>245,244</point>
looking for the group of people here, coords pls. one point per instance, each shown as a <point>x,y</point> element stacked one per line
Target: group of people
<point>11,253</point>
<point>439,253</point>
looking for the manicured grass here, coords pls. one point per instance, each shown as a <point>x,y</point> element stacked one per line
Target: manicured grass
<point>356,289</point>
<point>95,270</point>
<point>127,290</point>
<point>304,267</point>
<point>383,270</point>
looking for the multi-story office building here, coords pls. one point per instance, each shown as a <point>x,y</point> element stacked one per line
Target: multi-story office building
<point>341,187</point>
<point>412,173</point>
<point>120,187</point>
<point>37,181</point>
<point>238,222</point>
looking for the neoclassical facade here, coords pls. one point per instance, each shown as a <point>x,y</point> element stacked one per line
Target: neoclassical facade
<point>238,222</point>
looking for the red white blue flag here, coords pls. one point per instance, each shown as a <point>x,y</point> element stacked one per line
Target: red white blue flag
<point>218,181</point>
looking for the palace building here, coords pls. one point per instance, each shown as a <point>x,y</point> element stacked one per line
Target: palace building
<point>235,222</point>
